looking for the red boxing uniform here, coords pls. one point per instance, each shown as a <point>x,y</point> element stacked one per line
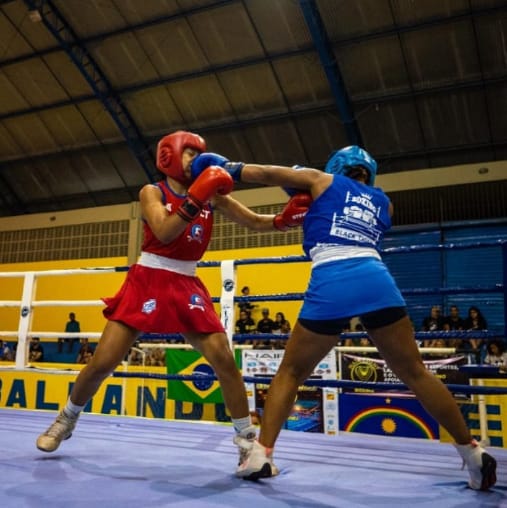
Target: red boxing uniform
<point>161,293</point>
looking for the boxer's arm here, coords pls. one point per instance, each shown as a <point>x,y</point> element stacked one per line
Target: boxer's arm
<point>166,227</point>
<point>306,179</point>
<point>242,215</point>
<point>169,226</point>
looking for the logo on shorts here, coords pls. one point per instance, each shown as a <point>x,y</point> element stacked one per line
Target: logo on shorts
<point>196,302</point>
<point>149,306</point>
<point>196,233</point>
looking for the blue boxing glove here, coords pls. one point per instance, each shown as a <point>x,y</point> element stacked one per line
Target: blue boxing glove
<point>207,159</point>
<point>290,191</point>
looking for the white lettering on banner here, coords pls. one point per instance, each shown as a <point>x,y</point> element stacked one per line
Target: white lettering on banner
<point>437,367</point>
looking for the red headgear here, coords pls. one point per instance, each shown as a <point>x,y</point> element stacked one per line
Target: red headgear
<point>170,149</point>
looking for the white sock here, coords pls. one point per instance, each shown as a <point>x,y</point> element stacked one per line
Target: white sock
<point>72,409</point>
<point>241,423</point>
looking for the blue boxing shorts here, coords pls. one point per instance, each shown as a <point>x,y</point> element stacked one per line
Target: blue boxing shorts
<point>348,288</point>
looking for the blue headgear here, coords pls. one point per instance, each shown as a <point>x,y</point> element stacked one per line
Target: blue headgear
<point>342,160</point>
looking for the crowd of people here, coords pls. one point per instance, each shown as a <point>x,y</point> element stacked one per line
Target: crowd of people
<point>246,325</point>
<point>474,347</point>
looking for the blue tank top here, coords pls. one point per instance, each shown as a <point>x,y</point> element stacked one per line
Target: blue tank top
<point>347,213</point>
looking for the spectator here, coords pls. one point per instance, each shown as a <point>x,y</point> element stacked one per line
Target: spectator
<point>135,357</point>
<point>355,342</point>
<point>438,343</point>
<point>245,324</point>
<point>496,355</point>
<point>282,326</point>
<point>36,351</point>
<point>246,305</point>
<point>453,322</point>
<point>475,321</point>
<point>266,324</point>
<point>72,326</point>
<point>156,357</point>
<point>432,323</point>
<point>5,352</point>
<point>85,352</point>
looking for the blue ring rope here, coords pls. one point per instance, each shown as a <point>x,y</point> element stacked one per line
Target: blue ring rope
<point>389,250</point>
<point>329,383</point>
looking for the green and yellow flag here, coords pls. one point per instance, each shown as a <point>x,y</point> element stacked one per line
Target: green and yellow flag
<point>185,363</point>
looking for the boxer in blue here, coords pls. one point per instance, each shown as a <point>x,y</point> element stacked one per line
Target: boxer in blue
<point>343,228</point>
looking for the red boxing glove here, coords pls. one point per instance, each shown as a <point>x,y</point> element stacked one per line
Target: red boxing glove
<point>294,212</point>
<point>213,180</point>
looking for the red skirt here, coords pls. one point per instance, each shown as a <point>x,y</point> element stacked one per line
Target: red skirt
<point>152,300</point>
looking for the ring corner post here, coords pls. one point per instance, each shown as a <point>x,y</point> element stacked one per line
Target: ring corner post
<point>25,320</point>
<point>228,276</point>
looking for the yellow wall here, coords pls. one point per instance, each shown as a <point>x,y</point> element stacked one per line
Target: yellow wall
<point>68,287</point>
<point>262,279</point>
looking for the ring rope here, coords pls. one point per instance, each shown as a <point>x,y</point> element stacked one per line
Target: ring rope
<point>242,337</point>
<point>329,383</point>
<point>278,259</point>
<point>455,388</point>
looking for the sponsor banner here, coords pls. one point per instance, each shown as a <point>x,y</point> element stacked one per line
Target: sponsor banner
<point>129,396</point>
<point>265,362</point>
<point>374,370</point>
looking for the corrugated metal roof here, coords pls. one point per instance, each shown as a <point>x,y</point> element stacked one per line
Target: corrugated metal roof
<point>88,88</point>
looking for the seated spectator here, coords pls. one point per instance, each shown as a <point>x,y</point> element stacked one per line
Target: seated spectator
<point>156,357</point>
<point>266,324</point>
<point>245,324</point>
<point>36,351</point>
<point>85,352</point>
<point>135,357</point>
<point>364,342</point>
<point>356,341</point>
<point>496,354</point>
<point>6,352</point>
<point>438,343</point>
<point>453,322</point>
<point>475,321</point>
<point>282,326</point>
<point>432,323</point>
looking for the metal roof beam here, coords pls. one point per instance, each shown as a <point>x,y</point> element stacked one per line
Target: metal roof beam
<point>332,70</point>
<point>9,197</point>
<point>97,80</point>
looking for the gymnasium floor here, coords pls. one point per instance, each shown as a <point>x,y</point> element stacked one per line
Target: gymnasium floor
<point>132,462</point>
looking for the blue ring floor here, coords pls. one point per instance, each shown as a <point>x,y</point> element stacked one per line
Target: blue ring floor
<point>114,461</point>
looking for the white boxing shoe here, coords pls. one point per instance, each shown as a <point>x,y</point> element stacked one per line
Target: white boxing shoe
<point>481,465</point>
<point>258,464</point>
<point>58,431</point>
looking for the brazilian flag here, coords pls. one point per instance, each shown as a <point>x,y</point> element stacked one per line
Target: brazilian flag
<point>186,363</point>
